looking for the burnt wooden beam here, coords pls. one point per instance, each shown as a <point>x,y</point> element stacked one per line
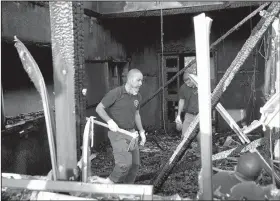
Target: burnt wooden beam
<point>40,3</point>
<point>104,60</point>
<point>10,40</point>
<point>144,191</point>
<point>256,34</point>
<point>91,13</point>
<point>67,39</point>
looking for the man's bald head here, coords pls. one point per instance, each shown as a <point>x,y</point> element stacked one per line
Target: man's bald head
<point>132,73</point>
<point>187,79</point>
<point>134,80</point>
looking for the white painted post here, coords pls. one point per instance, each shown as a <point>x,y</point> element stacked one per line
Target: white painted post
<point>276,27</point>
<point>202,25</point>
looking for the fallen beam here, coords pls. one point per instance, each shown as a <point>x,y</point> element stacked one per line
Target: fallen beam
<point>192,61</point>
<point>22,176</point>
<point>55,196</point>
<point>254,125</point>
<point>243,148</point>
<point>256,34</point>
<point>145,191</point>
<point>233,125</point>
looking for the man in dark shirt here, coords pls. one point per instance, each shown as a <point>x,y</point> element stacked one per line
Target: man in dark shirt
<point>122,106</point>
<point>188,103</point>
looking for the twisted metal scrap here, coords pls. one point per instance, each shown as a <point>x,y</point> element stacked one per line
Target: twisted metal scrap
<point>256,35</point>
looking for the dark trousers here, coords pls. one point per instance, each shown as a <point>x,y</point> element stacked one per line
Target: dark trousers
<point>126,163</point>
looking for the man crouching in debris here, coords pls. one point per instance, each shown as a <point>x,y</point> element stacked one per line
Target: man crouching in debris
<point>240,183</point>
<point>122,105</point>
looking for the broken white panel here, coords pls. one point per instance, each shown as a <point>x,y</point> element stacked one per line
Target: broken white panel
<point>277,150</point>
<point>271,112</point>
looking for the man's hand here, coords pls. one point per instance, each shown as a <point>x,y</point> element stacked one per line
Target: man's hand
<point>178,119</point>
<point>143,138</point>
<point>179,123</point>
<point>135,134</point>
<point>112,125</point>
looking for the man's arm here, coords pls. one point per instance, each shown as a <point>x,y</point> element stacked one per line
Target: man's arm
<point>181,106</point>
<point>100,109</point>
<point>138,121</point>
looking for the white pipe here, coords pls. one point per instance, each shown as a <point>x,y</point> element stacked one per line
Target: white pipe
<point>202,25</point>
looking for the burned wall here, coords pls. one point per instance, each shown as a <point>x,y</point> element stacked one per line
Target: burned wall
<point>100,44</point>
<point>27,21</point>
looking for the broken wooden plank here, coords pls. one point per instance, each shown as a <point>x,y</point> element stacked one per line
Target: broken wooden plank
<point>254,125</point>
<point>192,61</point>
<point>21,176</point>
<point>270,112</point>
<point>171,197</point>
<point>146,191</point>
<point>55,196</point>
<point>244,147</point>
<point>239,60</point>
<point>202,26</point>
<point>219,170</point>
<point>66,20</point>
<point>230,121</point>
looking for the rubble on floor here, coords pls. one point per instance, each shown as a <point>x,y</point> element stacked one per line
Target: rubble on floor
<point>182,184</point>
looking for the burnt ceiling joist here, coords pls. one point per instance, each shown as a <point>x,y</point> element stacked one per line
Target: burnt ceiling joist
<point>10,40</point>
<point>91,13</point>
<point>166,11</point>
<point>181,10</point>
<point>87,12</point>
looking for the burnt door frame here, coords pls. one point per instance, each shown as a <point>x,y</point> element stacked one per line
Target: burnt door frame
<point>174,98</point>
<point>170,98</point>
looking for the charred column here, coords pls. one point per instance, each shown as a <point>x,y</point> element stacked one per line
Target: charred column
<point>66,19</point>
